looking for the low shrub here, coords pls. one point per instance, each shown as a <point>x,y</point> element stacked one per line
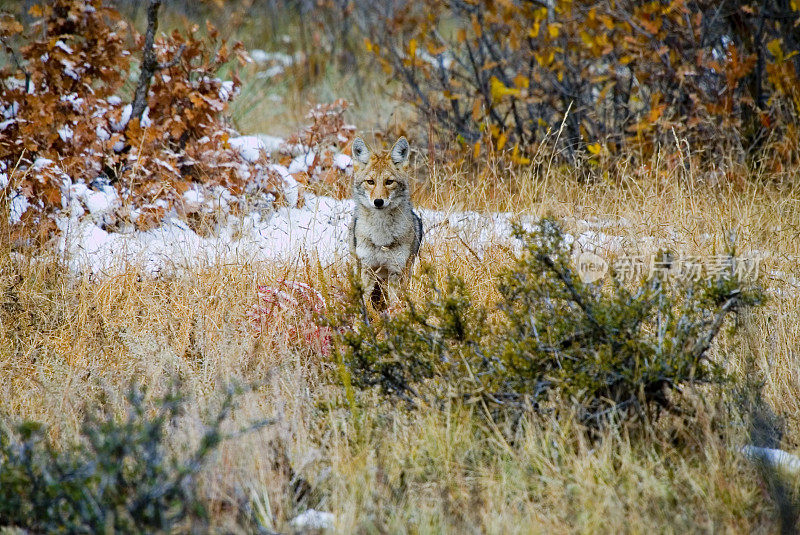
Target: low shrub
<point>119,477</point>
<point>553,341</point>
<point>66,125</point>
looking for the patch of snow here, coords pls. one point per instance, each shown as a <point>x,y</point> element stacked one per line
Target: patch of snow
<point>18,205</point>
<point>594,241</point>
<point>167,166</point>
<point>271,143</point>
<point>69,69</point>
<point>278,57</point>
<point>65,133</point>
<point>74,100</point>
<point>10,111</point>
<point>226,91</point>
<point>64,46</point>
<point>313,519</point>
<point>774,458</point>
<point>118,126</point>
<point>5,124</point>
<point>101,133</point>
<point>220,199</point>
<point>101,202</point>
<point>300,164</point>
<point>343,161</point>
<point>320,226</point>
<point>249,147</point>
<point>97,202</point>
<point>146,122</point>
<point>114,100</point>
<point>3,180</point>
<point>291,188</point>
<point>41,163</point>
<point>193,198</point>
<point>271,72</point>
<point>259,56</point>
<point>282,234</point>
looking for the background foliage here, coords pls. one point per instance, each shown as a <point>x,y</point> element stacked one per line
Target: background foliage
<point>633,75</point>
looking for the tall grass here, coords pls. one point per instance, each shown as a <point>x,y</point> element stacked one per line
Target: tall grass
<point>68,341</point>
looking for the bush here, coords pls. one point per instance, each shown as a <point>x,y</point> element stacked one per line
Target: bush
<point>65,124</point>
<point>633,75</point>
<point>553,341</point>
<point>119,477</point>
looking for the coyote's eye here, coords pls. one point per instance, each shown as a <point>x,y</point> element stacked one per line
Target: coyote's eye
<point>371,182</point>
<point>389,182</point>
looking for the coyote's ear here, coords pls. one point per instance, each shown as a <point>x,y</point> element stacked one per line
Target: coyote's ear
<point>360,151</point>
<point>400,152</point>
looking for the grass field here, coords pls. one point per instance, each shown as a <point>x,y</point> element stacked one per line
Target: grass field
<point>69,343</point>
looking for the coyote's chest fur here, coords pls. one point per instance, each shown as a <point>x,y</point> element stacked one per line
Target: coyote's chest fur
<point>385,241</point>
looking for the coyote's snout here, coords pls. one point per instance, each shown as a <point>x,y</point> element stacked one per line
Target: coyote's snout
<point>385,234</point>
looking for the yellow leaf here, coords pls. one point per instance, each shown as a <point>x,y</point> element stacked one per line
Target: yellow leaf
<point>412,48</point>
<point>656,112</point>
<point>521,81</point>
<point>499,90</point>
<point>553,29</point>
<point>534,31</point>
<point>367,45</point>
<point>35,11</point>
<point>594,148</point>
<point>517,159</point>
<point>476,150</point>
<point>501,141</point>
<point>775,49</point>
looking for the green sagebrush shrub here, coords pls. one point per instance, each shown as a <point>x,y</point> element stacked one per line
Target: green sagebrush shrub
<point>120,477</point>
<point>553,341</point>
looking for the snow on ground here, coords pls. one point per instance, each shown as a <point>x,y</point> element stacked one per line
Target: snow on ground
<point>319,230</point>
<point>250,147</point>
<point>317,227</point>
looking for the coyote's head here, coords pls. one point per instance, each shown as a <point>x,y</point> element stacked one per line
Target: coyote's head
<point>380,180</point>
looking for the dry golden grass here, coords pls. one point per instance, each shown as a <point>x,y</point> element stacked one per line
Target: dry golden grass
<point>67,342</point>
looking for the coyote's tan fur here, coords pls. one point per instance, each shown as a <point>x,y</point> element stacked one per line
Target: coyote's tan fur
<point>385,233</point>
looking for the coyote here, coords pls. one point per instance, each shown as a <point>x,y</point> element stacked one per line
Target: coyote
<point>385,233</point>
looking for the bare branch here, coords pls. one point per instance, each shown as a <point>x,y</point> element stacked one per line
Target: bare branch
<point>149,61</point>
<point>150,64</point>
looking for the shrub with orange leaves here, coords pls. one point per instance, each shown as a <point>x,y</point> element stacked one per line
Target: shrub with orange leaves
<point>634,75</point>
<point>318,154</point>
<point>65,127</point>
